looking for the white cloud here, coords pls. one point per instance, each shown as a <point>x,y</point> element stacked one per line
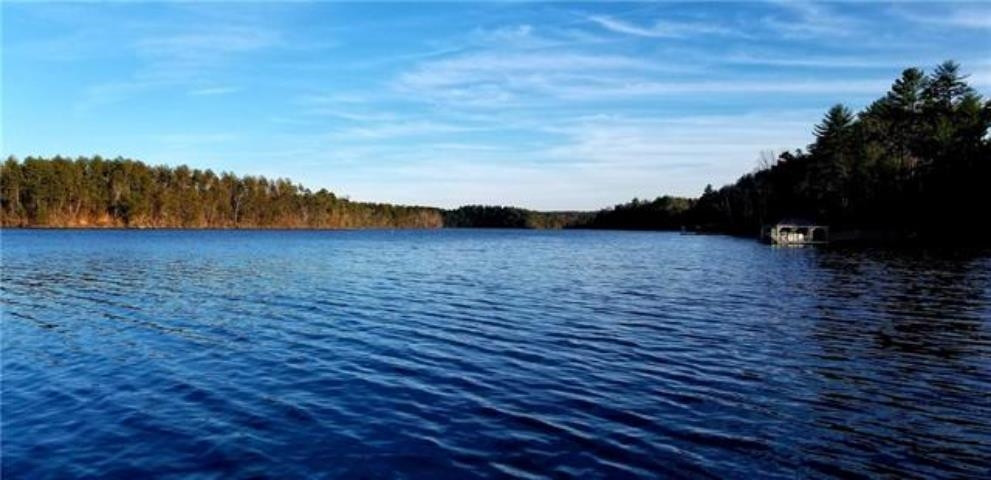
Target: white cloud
<point>207,43</point>
<point>382,130</point>
<point>528,37</point>
<point>192,56</point>
<point>971,16</point>
<point>193,138</point>
<point>585,162</point>
<point>187,57</point>
<point>809,19</point>
<point>662,28</point>
<point>480,66</point>
<point>493,79</point>
<point>679,143</point>
<point>519,36</point>
<point>213,91</point>
<point>329,99</point>
<point>614,88</point>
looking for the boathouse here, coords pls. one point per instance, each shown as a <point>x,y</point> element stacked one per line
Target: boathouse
<point>795,231</point>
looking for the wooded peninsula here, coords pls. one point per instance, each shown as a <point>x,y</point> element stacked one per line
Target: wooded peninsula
<point>914,164</point>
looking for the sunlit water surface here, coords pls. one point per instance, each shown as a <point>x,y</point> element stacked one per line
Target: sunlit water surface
<point>464,354</point>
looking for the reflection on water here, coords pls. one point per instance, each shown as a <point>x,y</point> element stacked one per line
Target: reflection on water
<point>905,329</point>
<point>489,354</point>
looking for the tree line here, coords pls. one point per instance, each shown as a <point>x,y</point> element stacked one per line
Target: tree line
<point>96,192</point>
<point>914,162</point>
<point>485,216</point>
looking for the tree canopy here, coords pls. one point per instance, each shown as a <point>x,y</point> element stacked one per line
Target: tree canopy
<point>120,192</point>
<point>916,162</point>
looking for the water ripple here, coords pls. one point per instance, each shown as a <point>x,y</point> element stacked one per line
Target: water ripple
<point>489,354</point>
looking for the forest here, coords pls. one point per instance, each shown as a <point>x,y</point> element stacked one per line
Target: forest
<point>483,216</point>
<point>95,192</point>
<point>912,164</point>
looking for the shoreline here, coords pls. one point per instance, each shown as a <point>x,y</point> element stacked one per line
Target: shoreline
<point>887,241</point>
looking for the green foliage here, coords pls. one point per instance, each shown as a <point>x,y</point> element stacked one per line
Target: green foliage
<point>59,192</point>
<point>914,161</point>
<point>93,192</point>
<point>483,216</point>
<point>662,213</point>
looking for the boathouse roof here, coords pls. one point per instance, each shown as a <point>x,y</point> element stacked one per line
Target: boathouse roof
<point>797,222</point>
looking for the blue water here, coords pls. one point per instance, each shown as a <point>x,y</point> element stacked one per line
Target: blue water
<point>489,354</point>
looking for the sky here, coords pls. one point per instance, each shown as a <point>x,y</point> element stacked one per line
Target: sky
<point>550,106</point>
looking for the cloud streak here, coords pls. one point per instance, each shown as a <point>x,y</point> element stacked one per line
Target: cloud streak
<point>494,80</point>
<point>190,57</point>
<point>805,19</point>
<point>661,28</point>
<point>210,91</point>
<point>975,16</point>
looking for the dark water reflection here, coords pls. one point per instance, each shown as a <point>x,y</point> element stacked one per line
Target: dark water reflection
<point>900,331</point>
<point>489,354</point>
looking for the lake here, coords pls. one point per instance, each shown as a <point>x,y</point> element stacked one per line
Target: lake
<point>489,354</point>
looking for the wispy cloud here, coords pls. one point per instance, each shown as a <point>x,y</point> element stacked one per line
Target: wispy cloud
<point>889,62</point>
<point>207,43</point>
<point>613,88</point>
<point>190,57</point>
<point>596,160</point>
<point>191,138</point>
<point>394,130</point>
<point>328,99</point>
<point>495,78</point>
<point>675,143</point>
<point>469,67</point>
<point>662,28</point>
<point>522,35</point>
<point>973,16</point>
<point>804,18</point>
<point>528,37</point>
<point>195,55</point>
<point>213,91</point>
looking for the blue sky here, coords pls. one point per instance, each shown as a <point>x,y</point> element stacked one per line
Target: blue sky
<point>539,105</point>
